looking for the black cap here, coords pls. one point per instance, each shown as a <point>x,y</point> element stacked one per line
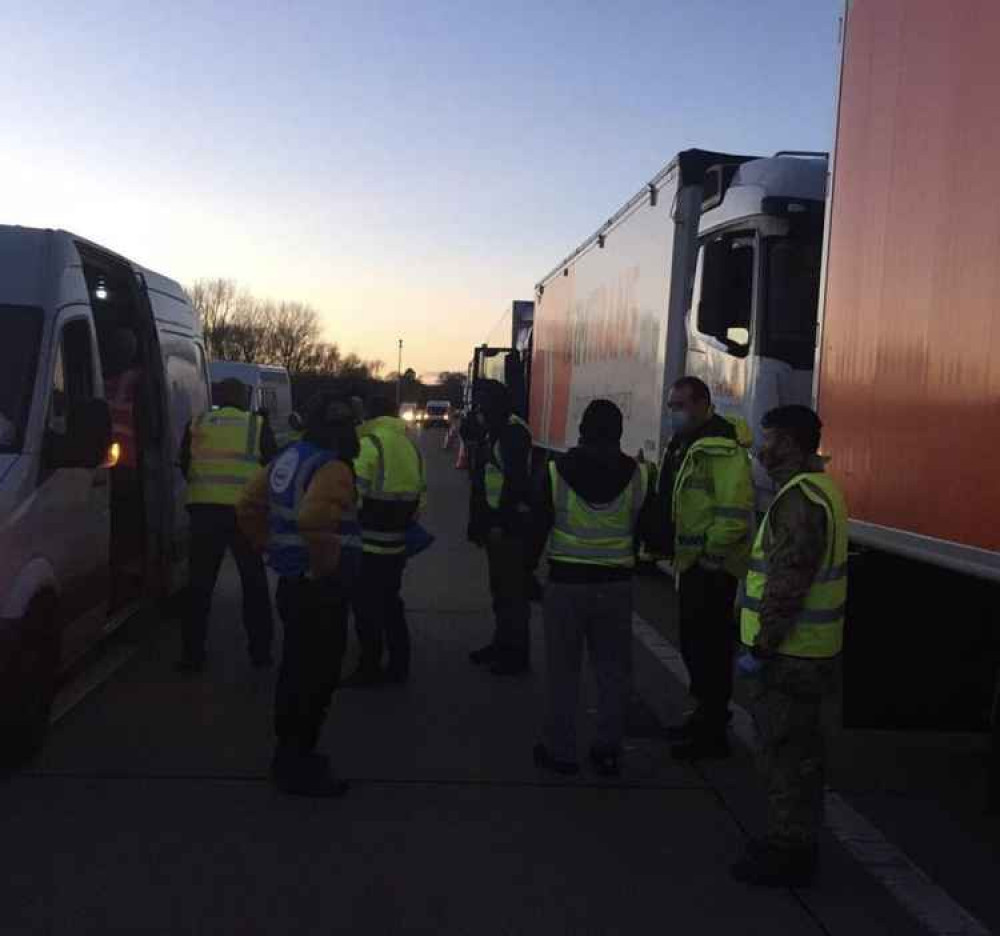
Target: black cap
<point>327,411</point>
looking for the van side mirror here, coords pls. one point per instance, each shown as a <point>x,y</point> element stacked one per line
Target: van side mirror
<point>87,441</point>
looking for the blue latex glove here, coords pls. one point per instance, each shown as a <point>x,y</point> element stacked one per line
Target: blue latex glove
<point>749,665</point>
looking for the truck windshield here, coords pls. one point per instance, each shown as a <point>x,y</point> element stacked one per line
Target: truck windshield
<point>792,290</point>
<point>436,409</point>
<point>20,335</point>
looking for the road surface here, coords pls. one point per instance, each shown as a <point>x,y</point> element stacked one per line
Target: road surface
<point>150,812</point>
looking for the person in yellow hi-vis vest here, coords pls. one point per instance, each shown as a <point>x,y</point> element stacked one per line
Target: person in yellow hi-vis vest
<point>220,453</point>
<point>589,512</point>
<point>392,488</point>
<point>706,504</point>
<point>792,609</point>
<point>500,520</point>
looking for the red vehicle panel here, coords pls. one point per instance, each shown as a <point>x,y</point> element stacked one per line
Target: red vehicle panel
<point>909,384</point>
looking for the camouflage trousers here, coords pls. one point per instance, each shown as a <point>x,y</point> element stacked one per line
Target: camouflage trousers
<point>789,698</point>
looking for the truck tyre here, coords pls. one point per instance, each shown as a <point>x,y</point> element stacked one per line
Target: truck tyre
<point>28,685</point>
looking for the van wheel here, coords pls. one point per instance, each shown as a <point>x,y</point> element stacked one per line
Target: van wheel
<point>29,685</point>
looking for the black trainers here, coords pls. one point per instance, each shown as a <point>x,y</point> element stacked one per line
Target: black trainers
<point>363,678</point>
<point>509,666</point>
<point>306,775</point>
<point>702,747</point>
<point>689,727</point>
<point>764,865</point>
<point>545,761</point>
<point>605,763</point>
<point>483,655</point>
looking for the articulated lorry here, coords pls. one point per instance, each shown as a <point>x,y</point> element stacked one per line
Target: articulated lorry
<point>712,269</point>
<point>908,376</point>
<point>876,301</point>
<point>509,363</point>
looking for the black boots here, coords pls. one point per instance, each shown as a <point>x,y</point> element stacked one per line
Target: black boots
<point>545,761</point>
<point>765,865</point>
<point>309,774</point>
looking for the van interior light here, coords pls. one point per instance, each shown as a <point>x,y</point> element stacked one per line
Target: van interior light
<point>101,293</point>
<point>114,454</point>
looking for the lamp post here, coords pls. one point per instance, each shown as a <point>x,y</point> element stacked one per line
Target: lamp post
<point>399,376</point>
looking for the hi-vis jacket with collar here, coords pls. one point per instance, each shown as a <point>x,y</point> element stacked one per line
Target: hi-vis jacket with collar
<point>713,506</point>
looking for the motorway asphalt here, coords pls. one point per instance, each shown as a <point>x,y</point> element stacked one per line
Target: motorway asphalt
<point>149,812</point>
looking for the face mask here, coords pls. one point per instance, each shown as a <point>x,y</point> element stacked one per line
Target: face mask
<point>680,421</point>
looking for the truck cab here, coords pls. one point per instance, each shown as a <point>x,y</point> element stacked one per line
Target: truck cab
<point>752,316</point>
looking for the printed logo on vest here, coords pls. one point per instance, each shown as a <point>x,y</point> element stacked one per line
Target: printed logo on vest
<point>284,470</point>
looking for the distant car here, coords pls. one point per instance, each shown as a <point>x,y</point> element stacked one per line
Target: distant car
<point>438,413</point>
<point>408,413</point>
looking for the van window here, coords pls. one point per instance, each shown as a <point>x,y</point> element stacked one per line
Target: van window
<point>724,290</point>
<point>20,337</point>
<point>72,374</point>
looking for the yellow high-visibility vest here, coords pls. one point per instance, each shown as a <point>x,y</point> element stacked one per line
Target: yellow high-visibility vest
<point>495,467</point>
<point>596,534</point>
<point>225,454</point>
<point>819,631</point>
<point>391,481</point>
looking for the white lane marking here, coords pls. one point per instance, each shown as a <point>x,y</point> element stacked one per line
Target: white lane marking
<point>929,903</point>
<point>92,678</point>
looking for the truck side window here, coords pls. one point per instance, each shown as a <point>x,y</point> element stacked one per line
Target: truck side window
<point>792,290</point>
<point>72,375</point>
<point>725,297</point>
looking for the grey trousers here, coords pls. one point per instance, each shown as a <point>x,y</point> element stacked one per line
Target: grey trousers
<point>601,615</point>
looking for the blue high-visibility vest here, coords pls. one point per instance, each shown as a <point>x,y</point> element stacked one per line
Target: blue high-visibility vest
<point>288,480</point>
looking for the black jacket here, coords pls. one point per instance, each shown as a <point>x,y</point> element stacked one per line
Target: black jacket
<point>598,475</point>
<point>514,443</point>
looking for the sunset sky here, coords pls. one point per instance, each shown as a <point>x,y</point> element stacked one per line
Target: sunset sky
<point>408,168</point>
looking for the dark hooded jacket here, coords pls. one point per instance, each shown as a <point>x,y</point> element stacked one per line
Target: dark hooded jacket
<point>598,474</point>
<point>514,443</point>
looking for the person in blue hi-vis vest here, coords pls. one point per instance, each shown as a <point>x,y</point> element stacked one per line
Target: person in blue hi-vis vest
<point>302,512</point>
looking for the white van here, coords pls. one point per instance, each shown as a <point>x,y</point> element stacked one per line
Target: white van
<point>84,540</point>
<point>270,392</point>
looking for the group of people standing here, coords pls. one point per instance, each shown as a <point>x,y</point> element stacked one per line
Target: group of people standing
<point>332,512</point>
<point>330,515</point>
<point>779,584</point>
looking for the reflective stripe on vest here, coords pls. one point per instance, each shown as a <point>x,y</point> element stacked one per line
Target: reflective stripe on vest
<point>390,499</point>
<point>819,629</point>
<point>591,534</point>
<point>495,467</point>
<point>288,480</point>
<point>225,454</point>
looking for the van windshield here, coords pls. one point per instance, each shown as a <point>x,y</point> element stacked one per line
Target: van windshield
<point>20,335</point>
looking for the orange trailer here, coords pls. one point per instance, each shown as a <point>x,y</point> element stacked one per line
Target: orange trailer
<point>908,382</point>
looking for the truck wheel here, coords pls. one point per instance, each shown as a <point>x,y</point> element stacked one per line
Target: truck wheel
<point>28,686</point>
